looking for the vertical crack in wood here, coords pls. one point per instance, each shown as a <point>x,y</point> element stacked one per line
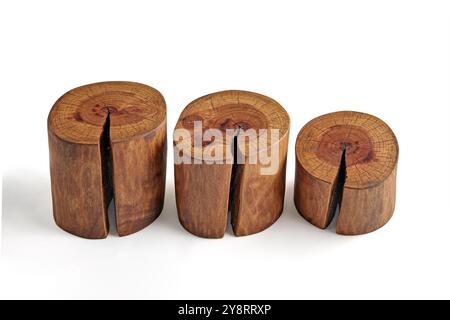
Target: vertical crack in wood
<point>233,199</point>
<point>337,189</point>
<point>107,170</point>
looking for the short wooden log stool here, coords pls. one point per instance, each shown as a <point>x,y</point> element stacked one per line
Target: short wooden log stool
<point>347,159</point>
<point>214,177</point>
<point>107,140</point>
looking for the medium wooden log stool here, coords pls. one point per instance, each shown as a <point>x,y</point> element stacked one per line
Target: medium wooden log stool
<point>347,159</point>
<point>107,140</point>
<point>221,165</point>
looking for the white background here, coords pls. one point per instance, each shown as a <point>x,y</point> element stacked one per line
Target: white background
<point>387,58</point>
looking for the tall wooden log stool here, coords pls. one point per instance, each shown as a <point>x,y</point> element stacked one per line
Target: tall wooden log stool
<point>347,159</point>
<point>222,164</point>
<point>107,140</point>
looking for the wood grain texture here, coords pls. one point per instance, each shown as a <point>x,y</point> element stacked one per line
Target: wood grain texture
<point>346,159</point>
<point>107,140</point>
<point>206,193</point>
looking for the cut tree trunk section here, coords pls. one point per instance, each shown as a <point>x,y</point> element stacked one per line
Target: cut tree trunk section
<point>346,160</point>
<point>107,140</point>
<point>207,189</point>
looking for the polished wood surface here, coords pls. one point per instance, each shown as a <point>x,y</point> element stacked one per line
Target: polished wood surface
<point>207,193</point>
<point>346,159</point>
<point>107,140</point>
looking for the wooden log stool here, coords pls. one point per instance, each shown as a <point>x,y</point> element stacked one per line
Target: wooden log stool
<point>216,171</point>
<point>346,159</point>
<point>107,140</point>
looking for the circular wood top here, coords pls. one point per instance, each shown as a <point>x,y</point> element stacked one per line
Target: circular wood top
<point>370,147</point>
<point>134,109</point>
<point>233,110</point>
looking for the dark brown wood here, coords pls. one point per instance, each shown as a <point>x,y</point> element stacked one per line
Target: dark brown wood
<point>206,193</point>
<point>107,140</point>
<point>346,159</point>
